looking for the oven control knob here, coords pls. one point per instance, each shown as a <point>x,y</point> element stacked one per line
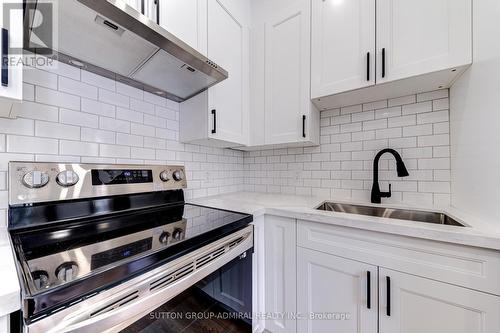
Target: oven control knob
<point>35,179</point>
<point>40,279</point>
<point>67,272</point>
<point>67,178</point>
<point>164,237</point>
<point>178,175</point>
<point>177,234</point>
<point>164,176</point>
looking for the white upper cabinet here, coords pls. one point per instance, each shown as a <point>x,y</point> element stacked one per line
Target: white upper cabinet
<point>186,19</point>
<point>343,46</point>
<point>327,284</point>
<point>289,115</point>
<point>422,36</point>
<point>420,305</point>
<point>228,46</point>
<point>424,45</point>
<point>219,116</point>
<point>11,71</point>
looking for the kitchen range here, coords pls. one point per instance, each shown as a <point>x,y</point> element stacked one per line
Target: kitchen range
<point>99,247</point>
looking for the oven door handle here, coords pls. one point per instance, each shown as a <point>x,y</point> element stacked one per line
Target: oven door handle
<point>127,308</point>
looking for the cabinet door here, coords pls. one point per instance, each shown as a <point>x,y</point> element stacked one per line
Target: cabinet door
<point>186,19</point>
<point>228,47</point>
<point>287,73</point>
<point>343,46</point>
<point>421,305</point>
<point>281,273</point>
<point>422,36</point>
<point>337,289</point>
<point>11,87</point>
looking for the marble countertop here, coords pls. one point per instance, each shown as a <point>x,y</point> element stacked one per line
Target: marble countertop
<point>477,233</point>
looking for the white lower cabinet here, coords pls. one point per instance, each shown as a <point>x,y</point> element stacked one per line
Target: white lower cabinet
<point>335,294</point>
<point>281,272</point>
<point>418,305</point>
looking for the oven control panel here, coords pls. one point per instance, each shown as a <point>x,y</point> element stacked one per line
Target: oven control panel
<point>32,182</point>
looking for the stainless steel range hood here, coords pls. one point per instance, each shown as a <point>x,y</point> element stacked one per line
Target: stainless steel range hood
<point>112,39</point>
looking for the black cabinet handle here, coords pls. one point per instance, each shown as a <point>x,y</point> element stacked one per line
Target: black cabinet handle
<point>388,308</point>
<point>368,290</point>
<point>214,129</point>
<point>368,66</point>
<point>157,3</point>
<point>383,62</point>
<point>5,57</point>
<point>142,7</point>
<point>304,126</point>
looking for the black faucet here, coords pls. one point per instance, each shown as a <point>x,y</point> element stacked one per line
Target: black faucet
<point>401,169</point>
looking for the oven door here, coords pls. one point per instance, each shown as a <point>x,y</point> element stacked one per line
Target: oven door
<point>214,280</point>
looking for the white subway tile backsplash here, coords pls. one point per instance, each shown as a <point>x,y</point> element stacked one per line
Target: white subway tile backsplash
<point>433,117</point>
<point>375,105</point>
<point>342,166</point>
<point>114,151</point>
<point>31,110</point>
<point>374,124</point>
<point>98,81</point>
<point>78,148</point>
<point>127,114</point>
<point>129,140</point>
<point>17,126</point>
<point>116,125</point>
<point>144,107</point>
<point>55,130</point>
<point>402,100</point>
<point>129,91</point>
<point>78,118</point>
<point>98,108</point>
<point>99,136</point>
<point>402,121</point>
<point>56,98</point>
<point>113,98</point>
<point>77,88</point>
<point>31,144</point>
<point>38,77</point>
<point>417,108</point>
<point>432,95</point>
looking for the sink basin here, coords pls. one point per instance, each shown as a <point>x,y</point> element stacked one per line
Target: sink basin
<point>401,214</point>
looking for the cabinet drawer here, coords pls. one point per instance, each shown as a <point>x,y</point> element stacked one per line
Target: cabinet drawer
<point>469,267</point>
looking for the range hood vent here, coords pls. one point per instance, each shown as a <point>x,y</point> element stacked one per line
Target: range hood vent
<point>110,38</point>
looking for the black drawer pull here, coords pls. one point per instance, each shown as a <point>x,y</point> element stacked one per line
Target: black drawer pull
<point>214,129</point>
<point>383,62</point>
<point>303,126</point>
<point>388,309</point>
<point>368,66</point>
<point>368,290</point>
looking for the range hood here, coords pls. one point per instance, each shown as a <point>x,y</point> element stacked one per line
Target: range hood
<point>112,39</point>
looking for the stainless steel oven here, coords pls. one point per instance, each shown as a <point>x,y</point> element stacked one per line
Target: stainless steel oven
<point>115,248</point>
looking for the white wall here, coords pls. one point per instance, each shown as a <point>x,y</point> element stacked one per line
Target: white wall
<point>475,120</point>
<point>416,125</point>
<point>70,115</point>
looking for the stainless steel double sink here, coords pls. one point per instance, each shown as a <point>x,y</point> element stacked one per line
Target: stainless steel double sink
<point>391,213</point>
